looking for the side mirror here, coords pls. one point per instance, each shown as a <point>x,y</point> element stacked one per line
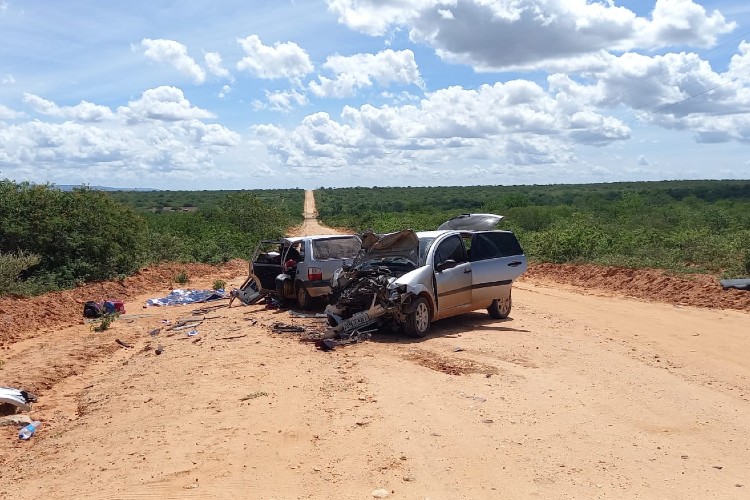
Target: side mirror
<point>448,264</point>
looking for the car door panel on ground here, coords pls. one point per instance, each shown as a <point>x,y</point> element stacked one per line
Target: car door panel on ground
<point>453,284</point>
<point>496,259</point>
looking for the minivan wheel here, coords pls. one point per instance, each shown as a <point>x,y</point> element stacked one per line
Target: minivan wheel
<point>303,298</point>
<point>418,322</point>
<point>500,308</point>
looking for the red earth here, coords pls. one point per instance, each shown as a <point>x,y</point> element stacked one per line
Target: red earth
<point>23,317</point>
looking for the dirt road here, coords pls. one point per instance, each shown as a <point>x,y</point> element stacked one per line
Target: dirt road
<point>576,395</point>
<point>311,226</point>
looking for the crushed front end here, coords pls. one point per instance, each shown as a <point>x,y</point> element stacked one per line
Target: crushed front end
<point>367,294</point>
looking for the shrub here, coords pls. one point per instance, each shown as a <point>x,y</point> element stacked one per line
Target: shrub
<point>219,284</point>
<point>105,321</point>
<point>11,267</point>
<point>181,278</point>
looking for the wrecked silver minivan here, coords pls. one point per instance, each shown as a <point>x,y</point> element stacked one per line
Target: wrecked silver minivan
<point>409,279</point>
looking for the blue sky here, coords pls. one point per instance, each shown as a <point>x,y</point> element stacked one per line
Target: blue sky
<point>229,95</point>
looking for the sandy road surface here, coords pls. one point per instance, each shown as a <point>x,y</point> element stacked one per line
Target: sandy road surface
<point>576,395</point>
<point>310,226</point>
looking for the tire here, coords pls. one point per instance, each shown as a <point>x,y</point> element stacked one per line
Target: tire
<point>500,308</point>
<point>418,322</point>
<point>303,298</point>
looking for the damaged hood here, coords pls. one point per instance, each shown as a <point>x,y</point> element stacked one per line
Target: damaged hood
<point>403,243</point>
<point>472,222</point>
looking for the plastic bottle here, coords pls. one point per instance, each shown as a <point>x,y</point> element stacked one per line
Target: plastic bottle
<point>29,430</point>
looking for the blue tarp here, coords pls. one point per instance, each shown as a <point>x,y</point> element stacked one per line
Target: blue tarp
<point>180,297</point>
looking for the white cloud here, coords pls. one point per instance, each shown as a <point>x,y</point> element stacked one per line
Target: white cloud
<point>82,112</point>
<point>283,60</point>
<point>163,104</point>
<point>213,63</point>
<point>147,151</point>
<point>282,101</point>
<point>9,114</point>
<point>352,73</point>
<point>225,91</point>
<point>562,35</point>
<point>376,17</point>
<point>674,91</point>
<point>8,80</point>
<point>175,54</point>
<point>516,120</point>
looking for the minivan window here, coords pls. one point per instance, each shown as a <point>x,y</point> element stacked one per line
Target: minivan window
<point>335,248</point>
<point>451,248</point>
<point>492,245</point>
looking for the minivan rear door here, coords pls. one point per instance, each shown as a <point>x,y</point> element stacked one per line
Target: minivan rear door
<point>496,260</point>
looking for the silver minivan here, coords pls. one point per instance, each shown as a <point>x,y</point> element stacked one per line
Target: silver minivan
<point>409,279</point>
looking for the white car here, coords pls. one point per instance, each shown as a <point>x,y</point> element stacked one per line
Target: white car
<point>297,268</point>
<point>409,279</point>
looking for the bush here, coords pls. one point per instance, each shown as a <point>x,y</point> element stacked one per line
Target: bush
<point>181,278</point>
<point>80,236</point>
<point>11,267</point>
<point>219,284</point>
<point>105,321</point>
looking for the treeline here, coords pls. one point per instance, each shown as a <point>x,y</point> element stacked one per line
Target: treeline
<point>685,226</point>
<point>51,239</point>
<point>156,201</point>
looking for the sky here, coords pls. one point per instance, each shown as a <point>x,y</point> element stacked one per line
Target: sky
<point>334,93</point>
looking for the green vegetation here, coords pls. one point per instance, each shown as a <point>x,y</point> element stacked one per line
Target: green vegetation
<point>219,284</point>
<point>684,226</point>
<point>105,322</point>
<point>51,239</point>
<point>11,267</point>
<point>181,278</point>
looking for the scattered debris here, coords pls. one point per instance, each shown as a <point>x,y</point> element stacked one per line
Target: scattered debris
<point>93,309</point>
<point>232,338</point>
<point>159,349</point>
<point>249,291</point>
<point>17,397</point>
<point>192,333</point>
<point>184,324</point>
<point>739,284</point>
<point>123,344</point>
<point>287,328</point>
<point>458,349</point>
<point>254,395</point>
<point>29,430</point>
<point>380,493</point>
<point>155,332</point>
<point>352,337</point>
<point>205,310</point>
<point>188,296</point>
<point>17,420</point>
<point>300,314</point>
<point>481,399</point>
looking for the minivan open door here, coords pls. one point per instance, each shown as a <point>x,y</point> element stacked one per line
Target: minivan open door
<point>497,259</point>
